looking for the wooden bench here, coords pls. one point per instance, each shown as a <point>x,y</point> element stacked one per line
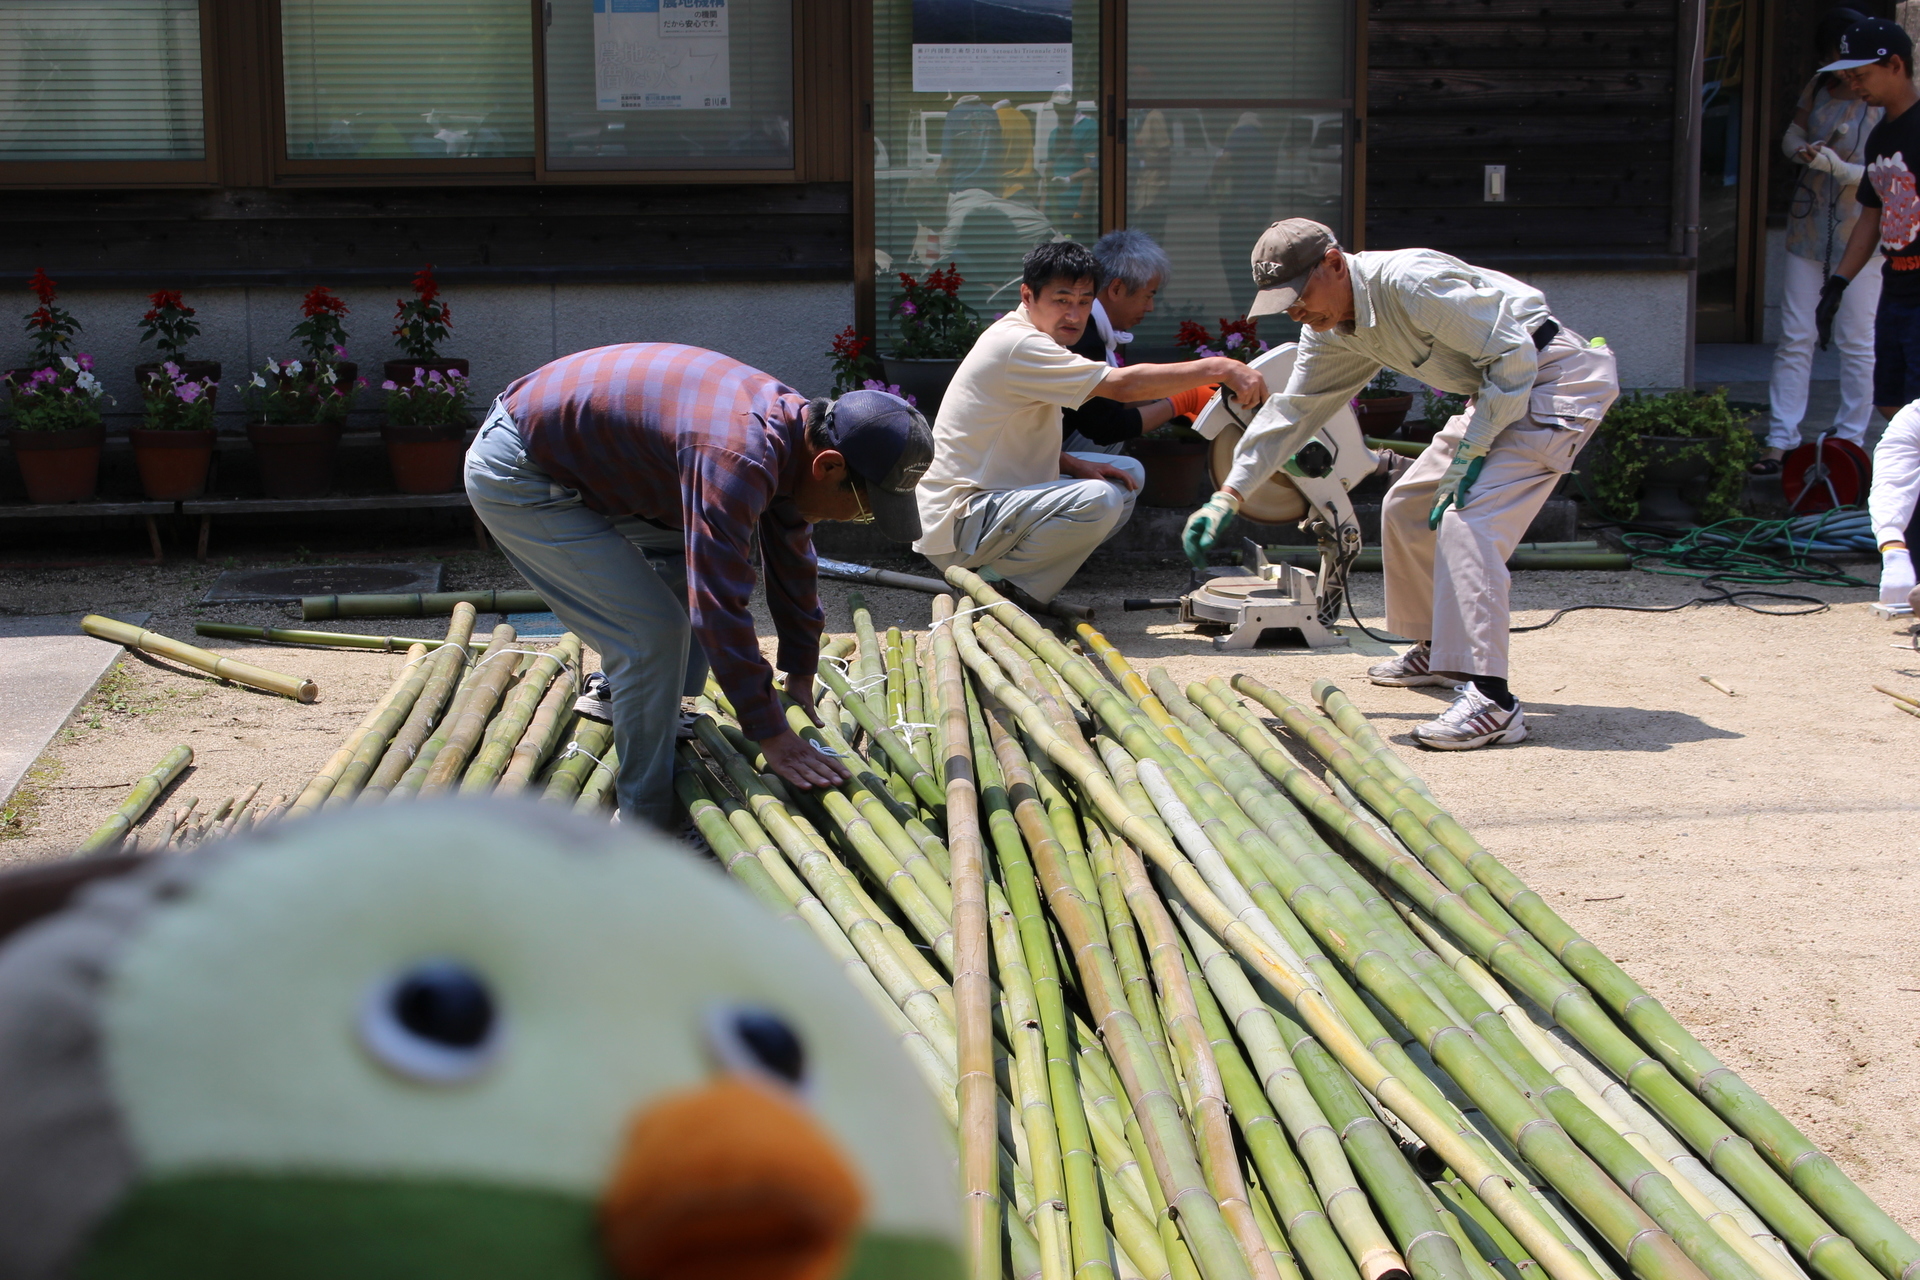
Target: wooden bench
<point>208,508</point>
<point>91,508</point>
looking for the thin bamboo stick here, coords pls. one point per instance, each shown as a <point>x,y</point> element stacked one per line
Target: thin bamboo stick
<point>232,823</point>
<point>319,639</point>
<point>138,801</point>
<point>298,688</point>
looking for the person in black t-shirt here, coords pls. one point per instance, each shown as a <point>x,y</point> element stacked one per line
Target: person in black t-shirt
<point>1876,57</point>
<point>1132,269</point>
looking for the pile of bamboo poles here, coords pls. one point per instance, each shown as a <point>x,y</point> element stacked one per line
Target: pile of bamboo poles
<point>1213,988</point>
<point>463,716</point>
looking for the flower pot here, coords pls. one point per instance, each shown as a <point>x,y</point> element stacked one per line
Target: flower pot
<point>1176,472</point>
<point>925,380</point>
<point>295,459</point>
<point>173,464</point>
<point>426,459</point>
<point>401,371</point>
<point>1381,417</point>
<point>191,370</point>
<point>1668,470</point>
<point>59,466</point>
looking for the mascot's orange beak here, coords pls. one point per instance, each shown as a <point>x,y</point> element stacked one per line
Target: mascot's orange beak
<point>730,1182</point>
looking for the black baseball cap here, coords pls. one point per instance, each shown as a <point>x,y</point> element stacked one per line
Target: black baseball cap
<point>1868,42</point>
<point>888,446</point>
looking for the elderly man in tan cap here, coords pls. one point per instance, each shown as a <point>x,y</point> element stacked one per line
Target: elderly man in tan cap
<point>1450,521</point>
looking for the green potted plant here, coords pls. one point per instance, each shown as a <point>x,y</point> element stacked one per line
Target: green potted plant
<point>169,325</point>
<point>936,330</point>
<point>1438,408</point>
<point>296,432</point>
<point>55,402</point>
<point>428,418</point>
<point>322,335</point>
<point>424,322</point>
<point>1654,446</point>
<point>173,445</point>
<point>1381,405</point>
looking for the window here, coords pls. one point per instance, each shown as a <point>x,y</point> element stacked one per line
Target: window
<point>99,80</point>
<point>1232,124</point>
<point>669,84</point>
<point>986,139</point>
<point>421,80</point>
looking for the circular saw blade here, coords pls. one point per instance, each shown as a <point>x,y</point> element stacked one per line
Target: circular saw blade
<point>1275,500</point>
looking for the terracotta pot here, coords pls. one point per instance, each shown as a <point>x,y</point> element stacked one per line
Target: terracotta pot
<point>925,380</point>
<point>401,371</point>
<point>295,459</point>
<point>1176,472</point>
<point>192,370</point>
<point>59,466</point>
<point>173,464</point>
<point>426,459</point>
<point>1382,417</point>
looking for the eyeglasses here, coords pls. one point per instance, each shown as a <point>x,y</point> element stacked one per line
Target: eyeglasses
<point>865,515</point>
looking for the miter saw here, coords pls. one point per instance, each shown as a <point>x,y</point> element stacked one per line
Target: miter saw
<point>1320,468</point>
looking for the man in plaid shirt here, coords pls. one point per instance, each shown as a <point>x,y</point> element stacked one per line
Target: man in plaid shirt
<point>629,485</point>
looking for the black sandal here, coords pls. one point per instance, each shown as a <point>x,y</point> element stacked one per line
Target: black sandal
<point>1764,467</point>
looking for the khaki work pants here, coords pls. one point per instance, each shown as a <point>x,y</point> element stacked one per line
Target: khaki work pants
<point>1449,586</point>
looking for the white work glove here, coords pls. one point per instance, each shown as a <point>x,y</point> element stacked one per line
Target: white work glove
<point>1793,142</point>
<point>1896,575</point>
<point>1827,160</point>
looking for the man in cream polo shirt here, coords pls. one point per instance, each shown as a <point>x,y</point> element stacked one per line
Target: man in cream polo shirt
<point>1000,495</point>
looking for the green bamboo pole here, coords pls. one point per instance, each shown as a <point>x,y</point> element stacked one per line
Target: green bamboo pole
<point>490,680</point>
<point>587,741</point>
<point>542,734</point>
<point>972,982</point>
<point>319,639</point>
<point>1018,823</point>
<point>920,705</point>
<point>1439,883</point>
<point>1135,688</point>
<point>138,801</point>
<point>364,748</point>
<point>1123,940</point>
<point>1380,757</point>
<point>299,688</point>
<point>517,712</point>
<point>418,605</point>
<point>410,770</point>
<point>445,668</point>
<point>918,849</point>
<point>893,651</point>
<point>322,784</point>
<point>597,793</point>
<point>898,756</point>
<point>869,667</point>
<point>1482,1172</point>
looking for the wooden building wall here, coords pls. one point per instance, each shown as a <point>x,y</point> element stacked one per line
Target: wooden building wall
<point>1575,97</point>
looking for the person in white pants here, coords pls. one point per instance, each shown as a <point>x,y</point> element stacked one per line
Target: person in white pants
<point>1450,522</point>
<point>1828,139</point>
<point>1896,486</point>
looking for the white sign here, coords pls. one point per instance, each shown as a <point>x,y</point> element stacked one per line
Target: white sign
<point>661,55</point>
<point>991,68</point>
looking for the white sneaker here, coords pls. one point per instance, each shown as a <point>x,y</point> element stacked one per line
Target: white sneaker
<point>1474,720</point>
<point>596,698</point>
<point>1407,670</point>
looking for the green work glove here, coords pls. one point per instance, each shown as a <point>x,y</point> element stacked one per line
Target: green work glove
<point>1204,526</point>
<point>1459,477</point>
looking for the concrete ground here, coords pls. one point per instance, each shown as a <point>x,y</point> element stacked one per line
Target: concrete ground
<point>1748,857</point>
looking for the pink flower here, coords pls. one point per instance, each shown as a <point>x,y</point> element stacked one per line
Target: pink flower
<point>389,385</point>
<point>189,392</point>
<point>433,375</point>
<point>86,362</point>
<point>173,370</point>
<point>907,309</point>
<point>341,352</point>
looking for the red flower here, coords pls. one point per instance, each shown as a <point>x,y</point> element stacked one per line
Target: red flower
<point>849,344</point>
<point>169,298</point>
<point>425,285</point>
<point>1250,328</point>
<point>1192,335</point>
<point>42,286</point>
<point>320,301</point>
<point>41,319</point>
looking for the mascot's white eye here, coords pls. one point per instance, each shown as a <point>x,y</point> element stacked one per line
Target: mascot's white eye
<point>435,1021</point>
<point>757,1042</point>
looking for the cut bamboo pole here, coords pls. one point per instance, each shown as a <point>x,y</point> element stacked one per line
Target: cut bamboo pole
<point>461,733</point>
<point>597,793</point>
<point>300,689</point>
<point>318,639</point>
<point>542,734</point>
<point>323,784</point>
<point>517,712</point>
<point>109,834</point>
<point>418,605</point>
<point>869,664</point>
<point>587,742</point>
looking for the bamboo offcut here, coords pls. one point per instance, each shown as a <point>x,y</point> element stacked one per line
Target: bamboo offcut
<point>138,801</point>
<point>418,604</point>
<point>297,688</point>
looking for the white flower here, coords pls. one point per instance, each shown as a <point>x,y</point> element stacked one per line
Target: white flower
<point>294,367</point>
<point>87,382</point>
<point>259,381</point>
<point>72,364</point>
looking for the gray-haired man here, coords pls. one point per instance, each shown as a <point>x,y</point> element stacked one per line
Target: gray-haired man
<point>1452,519</point>
<point>1132,270</point>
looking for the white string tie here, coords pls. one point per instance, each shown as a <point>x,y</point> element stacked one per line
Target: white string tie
<point>575,749</point>
<point>958,613</point>
<point>565,669</point>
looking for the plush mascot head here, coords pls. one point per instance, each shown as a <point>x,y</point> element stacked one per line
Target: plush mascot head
<point>451,1042</point>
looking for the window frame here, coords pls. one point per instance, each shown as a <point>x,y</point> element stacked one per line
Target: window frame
<point>58,174</point>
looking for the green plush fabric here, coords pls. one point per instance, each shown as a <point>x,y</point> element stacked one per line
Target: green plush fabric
<point>234,1227</point>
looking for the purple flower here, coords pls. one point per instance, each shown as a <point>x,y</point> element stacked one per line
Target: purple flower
<point>433,376</point>
<point>1234,340</point>
<point>86,362</point>
<point>173,370</point>
<point>341,352</point>
<point>907,309</point>
<point>189,392</point>
<point>389,385</point>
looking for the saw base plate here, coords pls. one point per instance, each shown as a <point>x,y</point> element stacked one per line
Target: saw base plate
<point>1283,595</point>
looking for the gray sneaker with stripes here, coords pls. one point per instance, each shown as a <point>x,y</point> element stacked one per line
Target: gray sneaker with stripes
<point>1473,720</point>
<point>1407,670</point>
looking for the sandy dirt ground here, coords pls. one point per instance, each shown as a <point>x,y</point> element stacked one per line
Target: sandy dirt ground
<point>1749,858</point>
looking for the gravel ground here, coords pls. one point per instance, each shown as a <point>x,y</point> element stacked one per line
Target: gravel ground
<point>1748,857</point>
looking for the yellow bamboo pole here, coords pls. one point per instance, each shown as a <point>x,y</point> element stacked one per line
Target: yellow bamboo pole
<point>295,687</point>
<point>138,801</point>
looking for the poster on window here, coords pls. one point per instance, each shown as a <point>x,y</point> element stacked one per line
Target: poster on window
<point>992,46</point>
<point>661,55</point>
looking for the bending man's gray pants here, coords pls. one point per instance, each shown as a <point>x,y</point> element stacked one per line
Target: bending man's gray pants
<point>1450,585</point>
<point>1038,536</point>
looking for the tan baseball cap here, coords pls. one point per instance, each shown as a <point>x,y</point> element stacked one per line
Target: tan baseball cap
<point>1284,257</point>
